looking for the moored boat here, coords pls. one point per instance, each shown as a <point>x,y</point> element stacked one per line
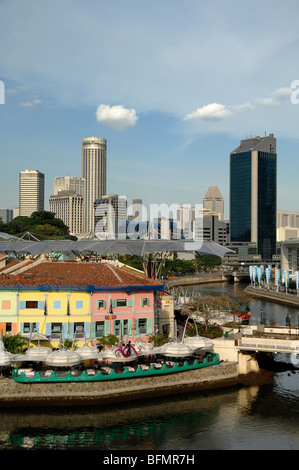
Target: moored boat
<point>113,372</point>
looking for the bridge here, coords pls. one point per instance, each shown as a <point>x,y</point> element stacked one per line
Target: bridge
<point>236,276</point>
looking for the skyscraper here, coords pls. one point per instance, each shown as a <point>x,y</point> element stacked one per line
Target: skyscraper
<point>214,201</point>
<point>31,192</point>
<point>94,155</point>
<point>253,175</point>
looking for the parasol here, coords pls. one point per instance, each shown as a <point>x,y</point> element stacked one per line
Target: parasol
<point>175,348</point>
<point>5,356</point>
<point>63,358</point>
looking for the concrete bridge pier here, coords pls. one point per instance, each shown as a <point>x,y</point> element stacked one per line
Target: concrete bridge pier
<point>247,363</point>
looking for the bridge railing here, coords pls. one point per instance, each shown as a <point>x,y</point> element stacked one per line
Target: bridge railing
<point>271,345</point>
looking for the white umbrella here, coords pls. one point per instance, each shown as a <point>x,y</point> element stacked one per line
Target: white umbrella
<point>5,356</point>
<point>63,358</point>
<point>120,354</point>
<point>89,352</point>
<point>35,354</point>
<point>176,348</point>
<point>142,346</point>
<point>198,342</point>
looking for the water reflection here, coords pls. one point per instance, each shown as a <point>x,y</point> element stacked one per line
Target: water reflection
<point>180,423</point>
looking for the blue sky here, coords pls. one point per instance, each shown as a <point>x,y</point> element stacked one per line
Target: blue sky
<point>173,85</point>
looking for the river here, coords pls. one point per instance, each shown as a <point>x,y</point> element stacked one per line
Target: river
<point>251,418</point>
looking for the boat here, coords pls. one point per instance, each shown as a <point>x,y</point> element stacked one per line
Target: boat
<point>114,372</point>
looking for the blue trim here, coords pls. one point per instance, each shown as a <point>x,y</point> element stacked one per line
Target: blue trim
<point>88,288</point>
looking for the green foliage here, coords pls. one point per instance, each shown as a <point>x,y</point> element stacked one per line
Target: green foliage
<point>14,343</point>
<point>43,224</point>
<point>158,339</point>
<point>108,340</point>
<point>212,331</point>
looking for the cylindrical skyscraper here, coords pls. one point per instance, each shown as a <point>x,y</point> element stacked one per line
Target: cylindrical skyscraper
<point>94,155</point>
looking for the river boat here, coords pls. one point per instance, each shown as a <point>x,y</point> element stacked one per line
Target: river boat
<point>115,371</point>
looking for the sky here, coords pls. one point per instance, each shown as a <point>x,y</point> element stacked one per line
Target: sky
<point>173,85</point>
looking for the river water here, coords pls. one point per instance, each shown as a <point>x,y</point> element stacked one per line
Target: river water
<point>251,418</point>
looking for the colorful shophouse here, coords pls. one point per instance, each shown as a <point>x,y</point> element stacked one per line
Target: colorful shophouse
<point>85,300</point>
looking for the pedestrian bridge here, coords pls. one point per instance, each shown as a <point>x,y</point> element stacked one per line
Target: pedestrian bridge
<point>271,345</point>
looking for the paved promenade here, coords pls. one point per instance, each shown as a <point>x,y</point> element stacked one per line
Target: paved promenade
<point>273,296</point>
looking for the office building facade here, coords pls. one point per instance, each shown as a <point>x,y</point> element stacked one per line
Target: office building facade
<point>253,188</point>
<point>94,157</point>
<point>31,192</point>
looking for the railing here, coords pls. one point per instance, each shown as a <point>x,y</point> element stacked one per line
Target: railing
<point>270,345</point>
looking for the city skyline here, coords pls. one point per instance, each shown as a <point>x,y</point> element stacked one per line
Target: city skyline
<point>212,75</point>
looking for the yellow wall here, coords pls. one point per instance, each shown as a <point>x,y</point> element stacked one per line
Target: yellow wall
<point>56,311</point>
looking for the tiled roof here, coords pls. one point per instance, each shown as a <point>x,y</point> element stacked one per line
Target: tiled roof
<point>77,273</point>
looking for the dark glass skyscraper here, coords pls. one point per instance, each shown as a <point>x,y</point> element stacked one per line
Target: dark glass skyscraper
<point>253,181</point>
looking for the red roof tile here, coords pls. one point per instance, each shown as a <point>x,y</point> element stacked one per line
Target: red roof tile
<point>77,273</point>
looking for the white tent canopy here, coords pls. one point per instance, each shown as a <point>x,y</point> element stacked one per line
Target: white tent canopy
<point>108,247</point>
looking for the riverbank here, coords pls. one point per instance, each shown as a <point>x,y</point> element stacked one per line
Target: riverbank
<point>272,296</point>
<point>202,278</point>
<point>223,375</point>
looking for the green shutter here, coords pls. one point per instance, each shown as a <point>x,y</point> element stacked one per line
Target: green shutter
<point>129,302</point>
<point>93,329</point>
<point>149,326</point>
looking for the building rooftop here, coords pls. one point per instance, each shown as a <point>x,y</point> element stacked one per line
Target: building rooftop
<point>68,273</point>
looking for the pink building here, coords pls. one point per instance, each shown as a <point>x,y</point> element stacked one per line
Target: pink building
<point>129,313</point>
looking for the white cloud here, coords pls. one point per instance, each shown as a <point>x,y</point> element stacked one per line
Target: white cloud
<point>30,104</point>
<point>282,93</point>
<point>117,117</point>
<point>213,111</point>
<point>278,95</point>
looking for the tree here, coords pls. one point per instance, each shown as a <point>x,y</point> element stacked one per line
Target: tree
<point>14,343</point>
<point>208,306</point>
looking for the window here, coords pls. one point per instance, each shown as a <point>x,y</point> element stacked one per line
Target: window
<point>56,330</point>
<point>100,328</point>
<point>117,327</point>
<point>6,304</point>
<point>29,328</point>
<point>57,304</point>
<point>142,325</point>
<point>121,303</point>
<point>144,302</point>
<point>125,327</point>
<point>79,304</point>
<point>8,327</point>
<point>101,304</point>
<point>31,304</point>
<point>79,330</point>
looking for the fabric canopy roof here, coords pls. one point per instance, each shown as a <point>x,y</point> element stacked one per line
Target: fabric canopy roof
<point>108,247</point>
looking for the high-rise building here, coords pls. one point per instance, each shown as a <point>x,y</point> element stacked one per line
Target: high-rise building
<point>68,206</point>
<point>214,202</point>
<point>69,183</point>
<point>31,192</point>
<point>94,155</point>
<point>253,180</point>
<point>110,217</point>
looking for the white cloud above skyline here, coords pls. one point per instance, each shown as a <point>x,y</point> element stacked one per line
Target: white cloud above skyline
<point>116,116</point>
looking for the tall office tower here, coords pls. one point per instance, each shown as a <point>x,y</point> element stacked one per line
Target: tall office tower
<point>68,206</point>
<point>110,217</point>
<point>31,192</point>
<point>253,180</point>
<point>214,202</point>
<point>94,155</point>
<point>69,183</point>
